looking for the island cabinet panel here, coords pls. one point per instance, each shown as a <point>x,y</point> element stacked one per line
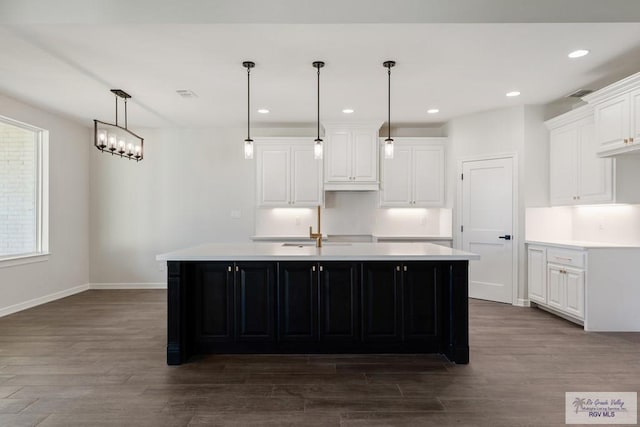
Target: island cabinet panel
<point>255,286</point>
<point>422,286</point>
<point>214,307</point>
<point>339,301</point>
<point>381,302</point>
<point>298,301</point>
<point>317,307</point>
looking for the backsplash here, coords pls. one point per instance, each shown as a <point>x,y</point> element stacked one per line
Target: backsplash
<point>354,213</point>
<point>598,223</point>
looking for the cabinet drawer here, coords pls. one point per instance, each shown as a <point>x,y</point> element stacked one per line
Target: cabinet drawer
<point>566,257</point>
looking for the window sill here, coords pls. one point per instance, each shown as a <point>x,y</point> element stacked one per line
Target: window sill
<point>13,260</point>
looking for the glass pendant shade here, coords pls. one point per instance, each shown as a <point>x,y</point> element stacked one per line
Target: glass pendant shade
<point>317,150</point>
<point>248,149</point>
<point>388,149</point>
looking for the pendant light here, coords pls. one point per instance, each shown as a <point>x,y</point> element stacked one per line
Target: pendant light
<point>317,147</point>
<point>115,139</point>
<point>248,143</point>
<point>388,143</point>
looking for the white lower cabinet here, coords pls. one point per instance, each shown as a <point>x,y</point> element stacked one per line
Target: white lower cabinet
<point>537,261</point>
<point>557,280</point>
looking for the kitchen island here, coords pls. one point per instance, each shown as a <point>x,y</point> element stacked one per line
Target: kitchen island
<point>296,298</point>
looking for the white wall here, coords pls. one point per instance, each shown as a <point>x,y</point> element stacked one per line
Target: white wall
<point>517,130</point>
<point>67,269</point>
<point>180,195</point>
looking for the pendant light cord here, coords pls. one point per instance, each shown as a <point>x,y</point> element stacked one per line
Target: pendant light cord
<point>389,104</point>
<point>318,122</point>
<point>248,103</point>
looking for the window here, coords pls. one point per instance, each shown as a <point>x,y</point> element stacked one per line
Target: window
<point>23,190</point>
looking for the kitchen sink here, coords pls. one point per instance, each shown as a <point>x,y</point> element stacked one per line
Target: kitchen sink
<point>312,243</point>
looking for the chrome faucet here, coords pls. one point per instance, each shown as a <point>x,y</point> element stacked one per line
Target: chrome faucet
<point>317,236</point>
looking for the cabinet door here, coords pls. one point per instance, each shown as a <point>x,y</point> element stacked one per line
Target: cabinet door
<point>273,175</point>
<point>364,155</point>
<point>635,117</point>
<point>574,295</point>
<point>255,301</point>
<point>214,303</point>
<point>428,176</point>
<point>536,268</point>
<point>595,175</point>
<point>339,301</point>
<point>381,302</point>
<point>306,177</point>
<point>397,178</point>
<point>555,280</point>
<point>298,301</point>
<point>563,168</point>
<point>422,301</point>
<point>612,123</point>
<point>338,166</point>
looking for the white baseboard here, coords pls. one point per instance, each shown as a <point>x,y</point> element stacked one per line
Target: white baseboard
<point>42,300</point>
<point>522,302</point>
<point>103,286</point>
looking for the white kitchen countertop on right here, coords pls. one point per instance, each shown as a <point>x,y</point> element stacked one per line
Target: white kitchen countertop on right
<point>580,244</point>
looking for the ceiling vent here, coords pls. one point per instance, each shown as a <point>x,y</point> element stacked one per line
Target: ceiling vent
<point>186,93</point>
<point>580,93</point>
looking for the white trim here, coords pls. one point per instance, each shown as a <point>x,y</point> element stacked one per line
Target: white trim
<point>515,212</point>
<point>522,302</point>
<point>42,300</point>
<point>621,86</point>
<point>150,285</point>
<point>12,261</point>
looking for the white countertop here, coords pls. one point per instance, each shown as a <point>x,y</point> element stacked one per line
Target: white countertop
<point>579,244</point>
<point>329,252</point>
<point>409,237</point>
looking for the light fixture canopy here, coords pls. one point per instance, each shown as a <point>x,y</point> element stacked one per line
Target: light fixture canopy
<point>388,142</point>
<point>317,146</point>
<point>115,139</point>
<point>248,142</point>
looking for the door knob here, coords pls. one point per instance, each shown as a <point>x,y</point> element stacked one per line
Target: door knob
<point>505,237</point>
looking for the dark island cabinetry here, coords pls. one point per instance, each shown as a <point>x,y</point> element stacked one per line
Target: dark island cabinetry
<point>317,307</point>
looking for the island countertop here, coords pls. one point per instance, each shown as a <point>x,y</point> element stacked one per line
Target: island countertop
<point>381,251</point>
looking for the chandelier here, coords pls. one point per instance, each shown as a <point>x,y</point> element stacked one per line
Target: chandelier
<point>115,139</point>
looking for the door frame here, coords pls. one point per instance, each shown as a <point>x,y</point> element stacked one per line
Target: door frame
<point>514,214</point>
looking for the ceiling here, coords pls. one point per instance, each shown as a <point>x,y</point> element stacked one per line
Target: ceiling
<point>459,68</point>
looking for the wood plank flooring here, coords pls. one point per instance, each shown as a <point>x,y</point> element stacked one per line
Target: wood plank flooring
<point>98,359</point>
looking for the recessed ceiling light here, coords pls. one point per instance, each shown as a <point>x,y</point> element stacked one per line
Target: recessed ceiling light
<point>263,111</point>
<point>347,111</point>
<point>578,53</point>
<point>513,93</point>
<point>433,111</point>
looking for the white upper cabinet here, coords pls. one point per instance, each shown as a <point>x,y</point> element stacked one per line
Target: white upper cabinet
<point>617,117</point>
<point>415,175</point>
<point>351,156</point>
<point>287,173</point>
<point>576,174</point>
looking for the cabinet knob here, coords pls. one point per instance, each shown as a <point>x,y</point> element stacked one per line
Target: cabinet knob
<point>321,269</point>
<point>313,268</point>
<point>630,140</point>
<point>229,269</point>
<point>626,141</point>
<point>237,268</point>
<point>404,268</point>
<point>397,268</point>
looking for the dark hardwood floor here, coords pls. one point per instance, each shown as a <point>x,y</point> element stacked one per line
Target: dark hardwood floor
<point>98,358</point>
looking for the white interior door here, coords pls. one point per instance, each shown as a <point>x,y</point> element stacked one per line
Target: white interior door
<point>487,220</point>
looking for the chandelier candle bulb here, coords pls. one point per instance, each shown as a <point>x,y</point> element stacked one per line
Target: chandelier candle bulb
<point>102,138</point>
